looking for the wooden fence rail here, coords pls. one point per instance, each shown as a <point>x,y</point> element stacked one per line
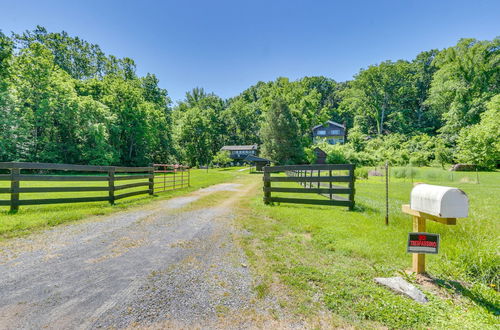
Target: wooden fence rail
<point>315,179</point>
<point>171,176</point>
<point>113,175</point>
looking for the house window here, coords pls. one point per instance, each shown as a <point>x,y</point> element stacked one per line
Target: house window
<point>336,132</point>
<point>322,132</point>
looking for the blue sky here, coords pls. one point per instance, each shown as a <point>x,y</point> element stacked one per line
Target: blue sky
<point>227,46</point>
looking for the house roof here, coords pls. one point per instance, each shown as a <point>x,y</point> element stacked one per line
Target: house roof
<point>234,148</point>
<point>320,151</point>
<point>330,122</point>
<point>252,158</point>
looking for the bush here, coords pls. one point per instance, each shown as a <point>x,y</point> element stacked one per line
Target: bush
<point>222,158</point>
<point>480,144</point>
<point>463,167</point>
<point>335,157</point>
<point>361,173</point>
<point>419,159</point>
<point>403,172</point>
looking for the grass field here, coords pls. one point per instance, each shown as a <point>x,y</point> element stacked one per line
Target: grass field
<point>320,261</point>
<point>30,218</point>
<point>327,257</point>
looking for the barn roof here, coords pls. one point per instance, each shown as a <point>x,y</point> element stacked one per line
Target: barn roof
<point>330,122</point>
<point>243,147</point>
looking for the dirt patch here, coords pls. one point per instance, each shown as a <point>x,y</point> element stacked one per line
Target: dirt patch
<point>179,202</point>
<point>221,187</point>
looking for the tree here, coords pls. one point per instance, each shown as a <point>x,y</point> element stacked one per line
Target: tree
<point>423,68</point>
<point>382,98</point>
<point>13,130</point>
<point>480,144</point>
<point>242,121</point>
<point>466,79</point>
<point>222,158</point>
<point>193,136</point>
<point>279,135</point>
<point>199,128</point>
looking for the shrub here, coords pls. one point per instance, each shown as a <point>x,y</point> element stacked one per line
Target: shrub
<point>463,167</point>
<point>361,173</point>
<point>335,156</point>
<point>403,172</point>
<point>222,158</point>
<point>480,144</point>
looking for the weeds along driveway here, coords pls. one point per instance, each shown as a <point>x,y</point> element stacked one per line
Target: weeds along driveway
<point>137,268</point>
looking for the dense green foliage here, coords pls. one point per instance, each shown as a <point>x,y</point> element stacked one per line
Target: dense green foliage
<point>279,135</point>
<point>222,158</point>
<point>63,100</point>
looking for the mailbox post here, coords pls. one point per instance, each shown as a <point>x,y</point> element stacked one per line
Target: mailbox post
<point>435,203</point>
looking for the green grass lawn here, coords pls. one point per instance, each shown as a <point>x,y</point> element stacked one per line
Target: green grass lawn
<point>327,257</point>
<point>29,218</point>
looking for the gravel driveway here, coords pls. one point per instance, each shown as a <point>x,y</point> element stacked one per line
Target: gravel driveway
<point>158,265</point>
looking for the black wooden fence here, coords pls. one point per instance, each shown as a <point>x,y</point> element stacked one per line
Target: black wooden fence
<point>113,175</point>
<point>315,179</point>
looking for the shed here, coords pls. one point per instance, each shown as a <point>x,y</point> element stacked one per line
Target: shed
<point>320,155</point>
<point>258,162</point>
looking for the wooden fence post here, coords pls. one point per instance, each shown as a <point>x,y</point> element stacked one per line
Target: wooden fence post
<point>14,185</point>
<point>267,184</point>
<point>151,180</point>
<point>387,193</point>
<point>182,177</point>
<point>189,177</point>
<point>175,171</point>
<point>418,258</point>
<point>164,177</point>
<point>331,185</point>
<point>351,186</point>
<point>111,185</point>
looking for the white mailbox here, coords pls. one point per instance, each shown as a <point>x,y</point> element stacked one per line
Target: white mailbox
<point>440,201</point>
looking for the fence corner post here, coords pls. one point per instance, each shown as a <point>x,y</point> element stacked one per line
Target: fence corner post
<point>111,185</point>
<point>267,185</point>
<point>151,180</point>
<point>14,186</point>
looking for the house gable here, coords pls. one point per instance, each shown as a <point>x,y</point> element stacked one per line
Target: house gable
<point>331,131</point>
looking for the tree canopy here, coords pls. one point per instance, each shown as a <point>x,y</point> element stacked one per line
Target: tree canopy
<point>62,99</point>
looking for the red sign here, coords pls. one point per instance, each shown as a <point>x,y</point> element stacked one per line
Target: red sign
<point>423,243</point>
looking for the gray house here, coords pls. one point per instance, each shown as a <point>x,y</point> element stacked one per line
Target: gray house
<point>330,131</point>
<point>239,153</point>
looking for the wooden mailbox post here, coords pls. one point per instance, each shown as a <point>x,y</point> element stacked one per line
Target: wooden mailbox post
<point>435,203</point>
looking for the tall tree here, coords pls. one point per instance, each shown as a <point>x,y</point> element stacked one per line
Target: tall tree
<point>279,135</point>
<point>468,76</point>
<point>382,98</point>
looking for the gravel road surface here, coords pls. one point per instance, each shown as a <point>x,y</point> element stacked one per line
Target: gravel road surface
<point>157,266</point>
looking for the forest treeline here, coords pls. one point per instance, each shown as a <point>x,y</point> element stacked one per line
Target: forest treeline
<point>63,100</point>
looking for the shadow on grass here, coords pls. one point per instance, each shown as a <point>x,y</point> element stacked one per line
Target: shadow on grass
<point>361,208</point>
<point>464,291</point>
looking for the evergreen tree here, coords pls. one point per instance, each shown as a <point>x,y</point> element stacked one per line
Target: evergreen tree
<point>279,134</point>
